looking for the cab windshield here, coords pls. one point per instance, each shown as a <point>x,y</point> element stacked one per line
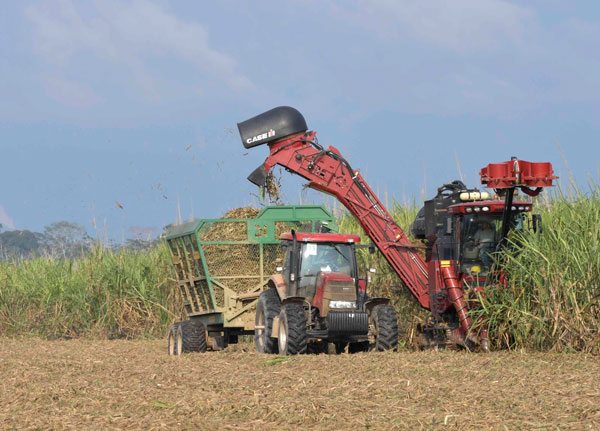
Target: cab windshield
<point>480,235</point>
<point>326,257</point>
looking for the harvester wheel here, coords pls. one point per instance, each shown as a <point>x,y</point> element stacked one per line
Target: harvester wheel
<point>267,308</point>
<point>383,328</point>
<point>292,329</point>
<point>193,336</point>
<point>174,340</point>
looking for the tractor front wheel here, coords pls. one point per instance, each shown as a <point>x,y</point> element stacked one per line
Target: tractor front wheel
<point>292,329</point>
<point>383,328</point>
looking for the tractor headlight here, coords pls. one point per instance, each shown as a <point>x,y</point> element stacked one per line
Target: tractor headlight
<point>342,304</point>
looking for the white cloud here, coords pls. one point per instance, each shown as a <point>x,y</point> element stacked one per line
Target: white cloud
<point>457,25</point>
<point>126,44</point>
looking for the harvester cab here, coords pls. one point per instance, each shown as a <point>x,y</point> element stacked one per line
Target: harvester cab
<point>468,226</point>
<point>317,298</point>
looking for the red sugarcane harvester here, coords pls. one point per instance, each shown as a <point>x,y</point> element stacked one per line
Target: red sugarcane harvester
<point>461,227</point>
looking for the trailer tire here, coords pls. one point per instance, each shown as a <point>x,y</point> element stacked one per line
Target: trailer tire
<point>193,336</point>
<point>292,329</point>
<point>267,308</point>
<point>174,341</point>
<point>383,328</point>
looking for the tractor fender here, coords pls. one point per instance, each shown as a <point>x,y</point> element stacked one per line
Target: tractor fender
<point>372,302</point>
<point>295,300</point>
<point>277,282</point>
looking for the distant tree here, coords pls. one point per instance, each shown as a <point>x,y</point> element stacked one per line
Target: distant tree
<point>140,244</point>
<point>141,238</point>
<point>20,244</point>
<point>66,239</point>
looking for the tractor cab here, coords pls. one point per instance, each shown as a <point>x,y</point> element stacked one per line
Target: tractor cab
<point>317,299</point>
<point>321,267</point>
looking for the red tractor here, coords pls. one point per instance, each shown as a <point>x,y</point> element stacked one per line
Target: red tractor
<point>318,298</point>
<point>461,227</point>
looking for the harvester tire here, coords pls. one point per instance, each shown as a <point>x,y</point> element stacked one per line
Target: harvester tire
<point>174,341</point>
<point>292,329</point>
<point>193,336</point>
<point>383,328</point>
<point>267,308</point>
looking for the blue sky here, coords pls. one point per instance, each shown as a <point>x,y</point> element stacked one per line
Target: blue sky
<point>136,102</point>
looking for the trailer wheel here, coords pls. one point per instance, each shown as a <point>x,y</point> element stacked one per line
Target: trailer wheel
<point>267,308</point>
<point>193,336</point>
<point>383,328</point>
<point>292,329</point>
<point>174,340</point>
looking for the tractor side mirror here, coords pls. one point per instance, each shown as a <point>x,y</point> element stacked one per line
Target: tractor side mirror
<point>279,269</point>
<point>536,220</point>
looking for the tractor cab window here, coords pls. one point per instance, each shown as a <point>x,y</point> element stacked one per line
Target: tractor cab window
<point>325,257</point>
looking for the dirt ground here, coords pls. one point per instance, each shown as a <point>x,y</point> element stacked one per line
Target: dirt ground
<point>83,384</point>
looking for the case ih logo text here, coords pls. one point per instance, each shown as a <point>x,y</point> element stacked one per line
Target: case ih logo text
<point>260,137</point>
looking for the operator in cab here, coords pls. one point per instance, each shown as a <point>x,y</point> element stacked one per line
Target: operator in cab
<point>485,238</point>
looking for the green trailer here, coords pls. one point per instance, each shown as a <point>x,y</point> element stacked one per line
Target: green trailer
<point>222,266</point>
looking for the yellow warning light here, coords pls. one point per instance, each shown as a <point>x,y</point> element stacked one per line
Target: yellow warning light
<point>445,263</point>
<point>476,269</point>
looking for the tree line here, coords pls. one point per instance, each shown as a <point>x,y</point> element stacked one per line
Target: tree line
<point>61,239</point>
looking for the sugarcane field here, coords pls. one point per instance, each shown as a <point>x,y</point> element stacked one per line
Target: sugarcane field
<point>360,215</point>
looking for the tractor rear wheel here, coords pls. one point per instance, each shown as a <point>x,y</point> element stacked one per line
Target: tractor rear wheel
<point>383,328</point>
<point>193,336</point>
<point>267,308</point>
<point>292,329</point>
<point>174,340</point>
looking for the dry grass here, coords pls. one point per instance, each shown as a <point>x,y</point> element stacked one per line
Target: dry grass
<point>83,384</point>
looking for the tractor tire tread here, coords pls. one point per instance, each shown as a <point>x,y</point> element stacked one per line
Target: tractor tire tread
<point>387,324</point>
<point>193,335</point>
<point>296,320</point>
<point>271,304</point>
